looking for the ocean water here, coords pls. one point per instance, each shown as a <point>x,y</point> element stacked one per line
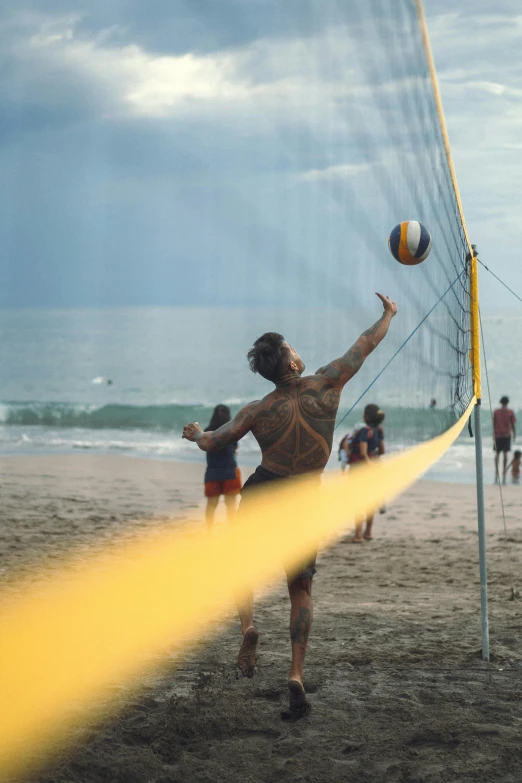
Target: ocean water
<point>124,381</point>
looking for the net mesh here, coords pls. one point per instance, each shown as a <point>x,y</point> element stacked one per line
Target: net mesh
<point>336,140</point>
<point>295,135</point>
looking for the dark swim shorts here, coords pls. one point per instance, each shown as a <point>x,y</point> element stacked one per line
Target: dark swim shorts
<point>304,570</point>
<point>503,444</point>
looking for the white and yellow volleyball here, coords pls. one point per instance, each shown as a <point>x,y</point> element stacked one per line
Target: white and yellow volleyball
<point>410,242</point>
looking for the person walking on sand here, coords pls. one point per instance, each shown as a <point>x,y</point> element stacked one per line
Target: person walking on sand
<point>222,476</point>
<point>294,426</point>
<point>366,444</point>
<point>504,421</point>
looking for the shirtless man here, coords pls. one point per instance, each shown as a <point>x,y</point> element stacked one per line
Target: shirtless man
<point>294,427</point>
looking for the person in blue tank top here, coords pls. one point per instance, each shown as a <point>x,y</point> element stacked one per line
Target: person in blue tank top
<point>222,476</point>
<point>366,443</point>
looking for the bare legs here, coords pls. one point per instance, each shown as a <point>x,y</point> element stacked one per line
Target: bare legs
<point>301,614</point>
<point>245,609</point>
<point>210,511</point>
<point>300,621</point>
<point>504,471</point>
<point>246,659</point>
<point>230,503</point>
<point>359,536</point>
<point>247,654</point>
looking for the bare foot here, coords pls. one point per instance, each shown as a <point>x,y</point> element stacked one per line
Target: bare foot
<point>299,704</point>
<point>367,537</point>
<point>246,659</point>
<point>354,540</point>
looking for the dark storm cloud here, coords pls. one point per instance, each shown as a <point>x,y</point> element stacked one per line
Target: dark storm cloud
<point>131,174</point>
<point>102,205</point>
<point>179,26</point>
<point>130,214</point>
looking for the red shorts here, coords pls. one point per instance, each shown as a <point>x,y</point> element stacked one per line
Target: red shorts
<point>213,489</point>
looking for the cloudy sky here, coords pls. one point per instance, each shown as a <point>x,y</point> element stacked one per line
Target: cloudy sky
<point>188,151</point>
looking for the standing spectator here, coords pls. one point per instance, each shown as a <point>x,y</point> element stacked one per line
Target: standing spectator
<point>367,443</point>
<point>503,425</point>
<point>222,476</point>
<point>344,452</point>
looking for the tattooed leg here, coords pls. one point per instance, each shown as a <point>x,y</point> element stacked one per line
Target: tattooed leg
<point>246,660</point>
<point>300,623</point>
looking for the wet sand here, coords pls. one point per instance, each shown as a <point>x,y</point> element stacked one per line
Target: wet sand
<point>398,688</point>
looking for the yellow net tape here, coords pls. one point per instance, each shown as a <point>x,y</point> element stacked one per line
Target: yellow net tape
<point>99,623</point>
<point>440,112</point>
<point>475,332</point>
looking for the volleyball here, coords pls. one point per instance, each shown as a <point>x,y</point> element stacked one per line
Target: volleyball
<point>410,242</point>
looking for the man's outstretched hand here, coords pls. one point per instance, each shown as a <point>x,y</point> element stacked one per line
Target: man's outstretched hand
<point>389,306</point>
<point>191,431</point>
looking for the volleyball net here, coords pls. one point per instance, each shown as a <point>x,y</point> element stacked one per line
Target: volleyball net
<point>328,134</point>
<point>333,139</point>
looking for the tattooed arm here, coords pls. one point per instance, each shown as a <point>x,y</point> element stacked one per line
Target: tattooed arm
<point>229,433</point>
<point>341,370</point>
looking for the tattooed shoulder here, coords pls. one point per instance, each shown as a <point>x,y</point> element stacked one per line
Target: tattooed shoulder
<point>348,364</point>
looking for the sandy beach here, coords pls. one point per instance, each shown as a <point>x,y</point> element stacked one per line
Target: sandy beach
<point>394,672</point>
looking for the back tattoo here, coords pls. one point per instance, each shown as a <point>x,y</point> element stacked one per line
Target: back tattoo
<point>294,425</point>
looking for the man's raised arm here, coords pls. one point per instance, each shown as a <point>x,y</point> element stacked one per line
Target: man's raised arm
<point>229,433</point>
<point>341,370</point>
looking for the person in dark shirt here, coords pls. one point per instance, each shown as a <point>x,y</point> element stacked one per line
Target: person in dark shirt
<point>367,443</point>
<point>222,476</point>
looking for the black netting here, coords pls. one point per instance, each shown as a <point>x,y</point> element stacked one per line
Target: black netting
<point>335,143</point>
<point>292,137</point>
